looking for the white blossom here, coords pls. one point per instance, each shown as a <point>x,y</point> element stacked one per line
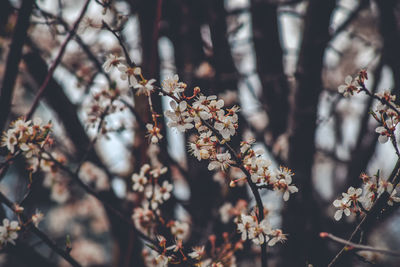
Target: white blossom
<point>180,230</point>
<point>343,205</point>
<point>393,198</point>
<point>144,87</point>
<point>348,88</point>
<point>222,162</point>
<point>277,236</point>
<point>8,232</point>
<point>111,62</point>
<point>172,85</point>
<point>226,125</point>
<point>179,117</point>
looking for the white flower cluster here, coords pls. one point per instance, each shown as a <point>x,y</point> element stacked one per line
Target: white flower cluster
<point>28,137</point>
<point>184,116</point>
<point>222,256</point>
<point>258,232</point>
<point>54,180</point>
<point>199,112</point>
<point>146,183</point>
<point>144,218</point>
<point>228,211</point>
<point>349,87</point>
<point>101,104</point>
<point>355,200</point>
<point>180,230</point>
<point>388,117</point>
<point>154,193</point>
<point>262,174</point>
<point>387,111</point>
<point>8,232</point>
<point>132,74</point>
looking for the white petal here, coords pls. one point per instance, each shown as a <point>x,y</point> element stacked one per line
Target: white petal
<point>348,79</point>
<point>338,215</point>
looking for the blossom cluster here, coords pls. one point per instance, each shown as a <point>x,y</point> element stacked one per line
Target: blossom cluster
<point>101,104</point>
<point>204,112</point>
<point>145,217</point>
<point>28,137</point>
<point>221,255</point>
<point>386,113</point>
<point>8,232</point>
<point>262,174</point>
<point>387,116</point>
<point>358,200</point>
<point>214,125</point>
<point>132,74</point>
<point>146,181</point>
<point>259,232</point>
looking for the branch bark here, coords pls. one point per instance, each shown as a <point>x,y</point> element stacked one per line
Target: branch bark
<point>300,220</point>
<point>269,63</point>
<point>13,59</point>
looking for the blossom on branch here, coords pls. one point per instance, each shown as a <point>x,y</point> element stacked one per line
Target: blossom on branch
<point>8,232</point>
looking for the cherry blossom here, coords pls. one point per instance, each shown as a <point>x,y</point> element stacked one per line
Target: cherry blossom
<point>111,62</point>
<point>171,85</point>
<point>222,162</point>
<point>348,88</point>
<point>343,205</point>
<point>179,117</point>
<point>8,232</point>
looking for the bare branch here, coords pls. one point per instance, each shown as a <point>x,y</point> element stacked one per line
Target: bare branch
<point>57,61</point>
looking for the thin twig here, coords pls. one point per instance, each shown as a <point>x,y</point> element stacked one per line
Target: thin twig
<point>380,202</point>
<point>110,207</point>
<point>30,226</point>
<point>81,43</point>
<point>57,61</point>
<point>351,245</point>
<point>239,162</point>
<point>121,43</point>
<point>383,101</point>
<point>13,59</point>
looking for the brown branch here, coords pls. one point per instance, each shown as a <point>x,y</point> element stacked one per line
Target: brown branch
<point>13,59</point>
<point>376,208</point>
<point>350,245</point>
<point>57,61</point>
<point>81,43</point>
<point>121,43</point>
<point>300,220</point>
<point>239,162</point>
<point>110,207</point>
<point>30,226</point>
<point>350,18</point>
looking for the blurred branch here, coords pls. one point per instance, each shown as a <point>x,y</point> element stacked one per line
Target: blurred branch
<point>390,32</point>
<point>60,54</point>
<point>300,220</point>
<point>30,226</point>
<point>81,43</point>
<point>30,256</point>
<point>269,64</point>
<point>350,18</point>
<point>13,59</point>
<point>110,207</point>
<point>118,36</point>
<point>366,138</point>
<point>351,245</point>
<point>376,208</point>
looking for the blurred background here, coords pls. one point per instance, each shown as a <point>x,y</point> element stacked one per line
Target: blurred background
<point>281,61</point>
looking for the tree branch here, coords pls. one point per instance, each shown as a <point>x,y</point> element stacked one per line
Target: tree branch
<point>57,61</point>
<point>39,233</point>
<point>13,59</point>
<point>351,245</point>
